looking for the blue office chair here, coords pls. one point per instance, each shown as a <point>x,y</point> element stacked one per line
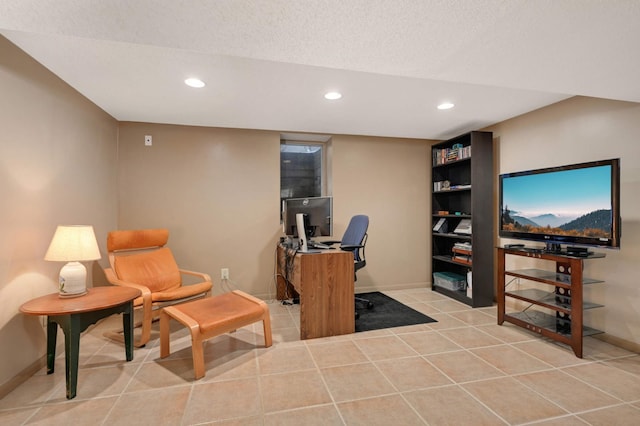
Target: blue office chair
<point>354,240</point>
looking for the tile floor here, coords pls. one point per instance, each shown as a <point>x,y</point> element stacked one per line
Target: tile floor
<point>464,369</point>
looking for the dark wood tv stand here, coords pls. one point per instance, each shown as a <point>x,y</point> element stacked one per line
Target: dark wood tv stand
<point>565,303</point>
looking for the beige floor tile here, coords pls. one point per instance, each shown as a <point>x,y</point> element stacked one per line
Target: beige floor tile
<point>100,382</point>
<point>448,305</point>
<point>234,365</point>
<point>385,347</point>
<point>621,415</point>
<point>410,328</point>
<point>552,353</point>
<point>445,321</point>
<point>470,337</point>
<point>595,349</point>
<point>286,335</point>
<point>510,360</point>
<point>242,421</point>
<point>280,359</point>
<point>287,391</point>
<point>372,333</point>
<point>508,333</point>
<point>282,321</point>
<point>423,308</point>
<point>450,405</point>
<point>215,401</point>
<point>428,296</point>
<point>79,412</point>
<point>319,415</point>
<point>609,379</point>
<point>429,342</point>
<point>155,407</point>
<point>412,373</point>
<point>356,381</point>
<point>162,374</point>
<point>112,353</point>
<point>561,421</point>
<point>630,364</point>
<point>17,416</point>
<point>336,353</point>
<point>37,390</point>
<point>473,317</point>
<point>513,401</point>
<point>568,392</point>
<point>385,410</point>
<point>463,366</point>
<point>402,296</point>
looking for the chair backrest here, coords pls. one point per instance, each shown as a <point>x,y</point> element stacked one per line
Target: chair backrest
<point>356,233</point>
<point>139,256</point>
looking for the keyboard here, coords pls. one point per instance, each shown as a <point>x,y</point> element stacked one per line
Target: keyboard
<point>318,245</point>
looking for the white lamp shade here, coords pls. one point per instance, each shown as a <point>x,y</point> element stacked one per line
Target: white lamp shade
<point>74,243</point>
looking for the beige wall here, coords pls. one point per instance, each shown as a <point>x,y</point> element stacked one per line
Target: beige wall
<point>57,166</point>
<point>389,180</point>
<point>579,130</point>
<point>217,191</point>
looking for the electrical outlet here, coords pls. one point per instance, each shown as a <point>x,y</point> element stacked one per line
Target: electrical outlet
<point>224,273</point>
<point>148,140</point>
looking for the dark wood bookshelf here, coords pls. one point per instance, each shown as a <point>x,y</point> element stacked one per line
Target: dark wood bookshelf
<point>473,201</point>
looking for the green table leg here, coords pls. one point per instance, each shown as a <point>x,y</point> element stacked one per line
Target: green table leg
<point>127,327</point>
<point>71,326</point>
<point>52,337</point>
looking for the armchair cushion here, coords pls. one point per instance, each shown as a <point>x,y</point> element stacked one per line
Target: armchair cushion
<point>156,270</point>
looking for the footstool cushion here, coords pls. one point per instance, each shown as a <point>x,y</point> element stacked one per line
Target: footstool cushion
<point>213,316</point>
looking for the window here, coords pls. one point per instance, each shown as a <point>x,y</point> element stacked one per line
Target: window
<point>303,170</point>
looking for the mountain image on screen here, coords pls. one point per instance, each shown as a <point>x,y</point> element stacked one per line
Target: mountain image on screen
<point>594,224</point>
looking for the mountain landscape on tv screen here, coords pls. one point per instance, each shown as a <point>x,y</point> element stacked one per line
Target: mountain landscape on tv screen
<point>596,223</point>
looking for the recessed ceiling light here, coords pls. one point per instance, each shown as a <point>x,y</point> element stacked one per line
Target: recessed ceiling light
<point>446,105</point>
<point>332,96</point>
<point>194,82</point>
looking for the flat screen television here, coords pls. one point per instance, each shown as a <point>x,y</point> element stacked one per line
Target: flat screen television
<point>318,216</point>
<point>576,205</point>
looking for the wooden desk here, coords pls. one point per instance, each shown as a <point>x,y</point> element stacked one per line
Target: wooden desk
<point>74,315</point>
<point>325,284</point>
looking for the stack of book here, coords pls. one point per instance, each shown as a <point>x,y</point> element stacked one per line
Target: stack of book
<point>447,155</point>
<point>462,253</point>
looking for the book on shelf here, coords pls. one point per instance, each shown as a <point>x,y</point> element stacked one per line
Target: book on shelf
<point>462,259</point>
<point>465,186</point>
<point>463,245</point>
<point>441,226</point>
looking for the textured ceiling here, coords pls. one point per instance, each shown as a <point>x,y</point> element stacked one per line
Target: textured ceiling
<point>268,63</point>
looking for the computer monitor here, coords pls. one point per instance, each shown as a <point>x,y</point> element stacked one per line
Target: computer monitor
<point>318,216</point>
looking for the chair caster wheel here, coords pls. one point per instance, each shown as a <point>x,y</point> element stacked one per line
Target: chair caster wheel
<point>369,305</point>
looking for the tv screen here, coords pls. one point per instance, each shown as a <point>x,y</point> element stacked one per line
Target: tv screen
<point>577,204</point>
<point>318,213</point>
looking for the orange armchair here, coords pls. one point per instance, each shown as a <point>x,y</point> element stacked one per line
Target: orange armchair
<point>139,259</point>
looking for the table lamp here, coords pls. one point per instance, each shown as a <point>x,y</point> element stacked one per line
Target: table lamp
<point>73,244</point>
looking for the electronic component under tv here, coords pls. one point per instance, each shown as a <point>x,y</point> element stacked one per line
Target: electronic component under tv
<point>577,204</point>
<point>318,216</point>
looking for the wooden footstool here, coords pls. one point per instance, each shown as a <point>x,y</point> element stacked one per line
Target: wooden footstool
<point>212,316</point>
